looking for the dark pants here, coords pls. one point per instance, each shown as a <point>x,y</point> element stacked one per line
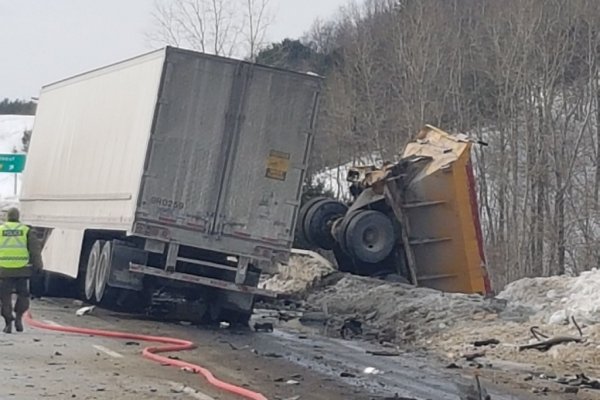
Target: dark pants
<point>7,287</point>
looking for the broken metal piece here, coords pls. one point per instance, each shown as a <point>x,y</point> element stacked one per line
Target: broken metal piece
<point>486,342</point>
<point>263,327</point>
<point>351,328</point>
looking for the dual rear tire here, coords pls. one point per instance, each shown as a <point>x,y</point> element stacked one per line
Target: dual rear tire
<point>97,273</point>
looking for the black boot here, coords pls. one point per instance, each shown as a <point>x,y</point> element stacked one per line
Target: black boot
<point>8,327</point>
<point>19,323</point>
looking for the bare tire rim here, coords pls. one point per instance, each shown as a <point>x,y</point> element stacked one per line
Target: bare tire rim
<point>90,273</point>
<point>101,275</point>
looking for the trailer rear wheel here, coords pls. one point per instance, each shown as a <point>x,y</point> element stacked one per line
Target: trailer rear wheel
<point>104,293</point>
<point>91,269</point>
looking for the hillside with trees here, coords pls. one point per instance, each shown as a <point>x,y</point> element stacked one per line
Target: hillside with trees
<point>521,75</point>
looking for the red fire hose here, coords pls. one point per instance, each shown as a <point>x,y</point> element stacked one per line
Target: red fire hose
<point>171,345</point>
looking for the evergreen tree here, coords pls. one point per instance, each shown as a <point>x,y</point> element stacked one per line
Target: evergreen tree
<point>17,107</point>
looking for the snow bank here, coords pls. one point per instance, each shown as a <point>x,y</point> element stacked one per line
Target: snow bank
<point>557,298</point>
<point>11,134</point>
<point>302,272</point>
<point>403,312</point>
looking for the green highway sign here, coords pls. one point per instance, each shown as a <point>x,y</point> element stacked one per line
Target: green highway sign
<point>12,163</point>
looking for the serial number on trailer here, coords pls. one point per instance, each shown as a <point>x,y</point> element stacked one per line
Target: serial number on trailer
<point>157,201</point>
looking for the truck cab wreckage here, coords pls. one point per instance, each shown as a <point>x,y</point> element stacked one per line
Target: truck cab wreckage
<point>416,219</point>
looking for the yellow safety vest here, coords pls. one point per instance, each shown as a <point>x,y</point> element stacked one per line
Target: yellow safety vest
<point>13,245</point>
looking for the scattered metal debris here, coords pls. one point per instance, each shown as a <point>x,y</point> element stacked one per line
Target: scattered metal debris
<point>486,342</point>
<point>581,381</point>
<point>263,327</point>
<point>372,371</point>
<point>473,356</point>
<point>545,342</point>
<point>84,310</point>
<point>351,328</point>
<point>453,366</point>
<point>383,353</point>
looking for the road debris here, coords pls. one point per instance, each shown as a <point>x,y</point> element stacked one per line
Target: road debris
<point>549,342</point>
<point>263,327</point>
<point>383,353</point>
<point>84,310</point>
<point>351,328</point>
<point>473,356</point>
<point>487,342</point>
<point>372,371</point>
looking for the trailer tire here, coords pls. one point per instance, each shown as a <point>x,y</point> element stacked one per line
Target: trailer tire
<point>300,233</point>
<point>105,294</point>
<point>317,227</point>
<point>88,281</point>
<point>370,236</point>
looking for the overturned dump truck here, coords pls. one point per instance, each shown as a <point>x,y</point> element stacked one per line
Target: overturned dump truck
<point>416,220</point>
<point>169,180</point>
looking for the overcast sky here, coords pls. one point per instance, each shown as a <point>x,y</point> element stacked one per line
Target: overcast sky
<point>42,41</point>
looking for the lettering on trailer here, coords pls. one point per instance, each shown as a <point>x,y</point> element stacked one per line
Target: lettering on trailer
<point>278,164</point>
<point>178,205</point>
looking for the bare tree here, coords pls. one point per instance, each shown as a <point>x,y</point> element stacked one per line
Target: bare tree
<point>257,19</point>
<point>221,27</point>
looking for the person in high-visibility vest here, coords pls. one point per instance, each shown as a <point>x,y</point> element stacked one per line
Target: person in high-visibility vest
<point>20,255</point>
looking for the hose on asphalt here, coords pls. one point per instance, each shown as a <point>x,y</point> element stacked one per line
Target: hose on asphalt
<point>151,353</point>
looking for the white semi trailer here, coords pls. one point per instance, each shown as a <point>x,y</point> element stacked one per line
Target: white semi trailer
<point>173,172</point>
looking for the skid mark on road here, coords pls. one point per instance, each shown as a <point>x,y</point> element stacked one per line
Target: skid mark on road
<point>107,351</point>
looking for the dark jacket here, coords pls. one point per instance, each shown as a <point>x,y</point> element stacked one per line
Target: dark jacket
<point>35,260</point>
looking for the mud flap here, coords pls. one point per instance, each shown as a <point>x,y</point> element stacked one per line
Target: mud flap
<point>122,255</point>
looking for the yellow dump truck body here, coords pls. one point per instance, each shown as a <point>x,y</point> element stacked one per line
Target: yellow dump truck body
<point>440,206</point>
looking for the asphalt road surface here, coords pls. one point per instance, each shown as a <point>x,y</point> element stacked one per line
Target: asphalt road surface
<point>287,364</point>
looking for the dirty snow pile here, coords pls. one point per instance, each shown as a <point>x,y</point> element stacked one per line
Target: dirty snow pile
<point>555,299</point>
<point>302,272</point>
<point>400,312</point>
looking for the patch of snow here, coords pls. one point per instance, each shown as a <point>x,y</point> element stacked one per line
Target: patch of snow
<point>558,298</point>
<point>398,311</point>
<point>12,128</point>
<point>334,179</point>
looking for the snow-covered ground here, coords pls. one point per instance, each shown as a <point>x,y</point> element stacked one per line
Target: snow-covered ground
<point>334,179</point>
<point>12,128</point>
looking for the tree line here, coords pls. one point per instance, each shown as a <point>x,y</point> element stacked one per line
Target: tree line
<point>17,107</point>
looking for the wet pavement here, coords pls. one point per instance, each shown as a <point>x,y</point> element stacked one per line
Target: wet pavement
<point>289,363</point>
